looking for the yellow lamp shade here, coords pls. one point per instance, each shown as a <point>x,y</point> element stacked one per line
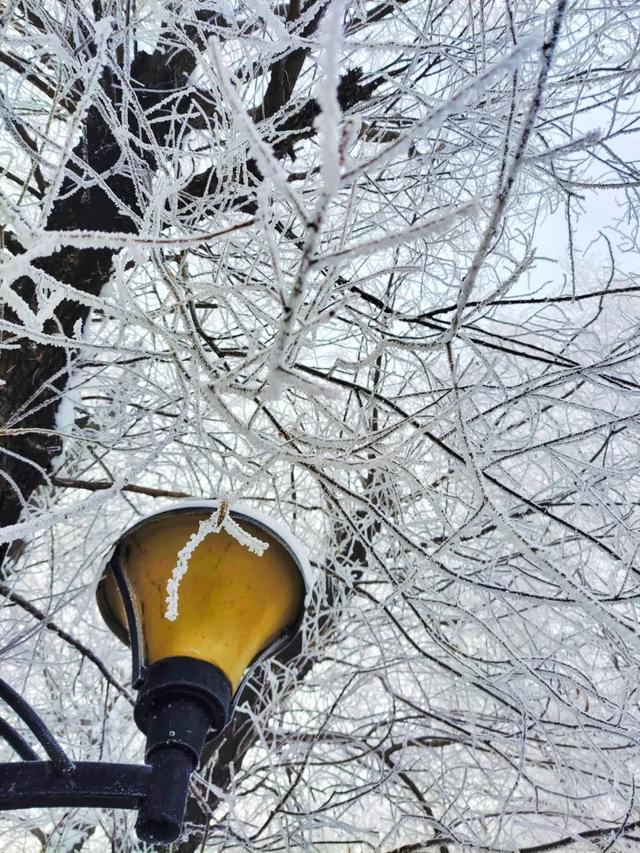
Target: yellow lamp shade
<point>233,603</point>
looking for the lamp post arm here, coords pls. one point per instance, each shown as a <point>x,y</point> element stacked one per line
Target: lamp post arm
<point>36,724</point>
<point>32,784</point>
<point>17,742</point>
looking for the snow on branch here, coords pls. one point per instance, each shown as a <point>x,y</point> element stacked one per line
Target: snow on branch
<point>372,268</point>
<point>221,519</point>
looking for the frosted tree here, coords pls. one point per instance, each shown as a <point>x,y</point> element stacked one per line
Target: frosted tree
<point>329,258</point>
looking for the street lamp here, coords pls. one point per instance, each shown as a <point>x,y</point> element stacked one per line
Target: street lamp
<point>235,607</point>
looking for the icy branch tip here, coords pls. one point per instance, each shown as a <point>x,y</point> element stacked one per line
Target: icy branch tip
<point>220,520</point>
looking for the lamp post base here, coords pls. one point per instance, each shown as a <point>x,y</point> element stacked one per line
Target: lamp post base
<point>181,701</point>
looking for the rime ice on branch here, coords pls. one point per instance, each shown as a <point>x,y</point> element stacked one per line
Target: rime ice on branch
<point>372,268</point>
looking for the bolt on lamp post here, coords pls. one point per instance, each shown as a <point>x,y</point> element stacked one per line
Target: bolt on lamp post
<point>235,609</point>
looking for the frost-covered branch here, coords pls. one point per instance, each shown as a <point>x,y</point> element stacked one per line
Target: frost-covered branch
<point>372,268</point>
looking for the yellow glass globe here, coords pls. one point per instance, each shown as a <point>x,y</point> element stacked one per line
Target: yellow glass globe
<point>233,604</point>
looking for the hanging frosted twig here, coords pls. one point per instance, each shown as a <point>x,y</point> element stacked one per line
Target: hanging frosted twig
<point>220,520</point>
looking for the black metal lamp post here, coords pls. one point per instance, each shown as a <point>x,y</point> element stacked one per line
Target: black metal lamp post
<point>235,607</point>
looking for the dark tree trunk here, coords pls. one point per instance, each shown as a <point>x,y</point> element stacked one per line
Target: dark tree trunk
<point>35,374</point>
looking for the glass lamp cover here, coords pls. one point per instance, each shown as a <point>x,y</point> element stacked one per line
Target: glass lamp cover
<point>232,603</point>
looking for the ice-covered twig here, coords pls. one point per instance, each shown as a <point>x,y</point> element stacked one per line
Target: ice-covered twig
<point>220,520</point>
